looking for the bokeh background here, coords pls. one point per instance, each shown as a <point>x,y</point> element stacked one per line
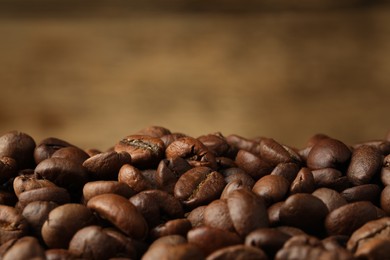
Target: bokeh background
<point>92,72</point>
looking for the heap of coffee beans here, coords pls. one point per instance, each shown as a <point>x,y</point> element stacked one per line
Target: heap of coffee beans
<point>157,194</point>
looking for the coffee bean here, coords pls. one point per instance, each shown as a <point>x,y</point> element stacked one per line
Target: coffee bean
<point>235,173</point>
<point>238,252</point>
<point>63,222</point>
<point>8,169</point>
<point>26,182</point>
<point>331,198</point>
<point>268,239</point>
<point>330,178</point>
<point>145,151</point>
<point>13,225</point>
<point>59,253</point>
<point>133,177</point>
<point>46,148</point>
<point>26,247</point>
<point>382,145</point>
<point>385,199</point>
<point>71,153</point>
<point>199,186</point>
<point>170,138</point>
<point>217,144</point>
<point>377,248</point>
<point>105,166</point>
<point>36,213</point>
<point>287,170</point>
<point>54,194</point>
<point>191,149</point>
<point>242,143</point>
<point>274,153</point>
<point>154,131</point>
<point>217,215</point>
<point>94,188</point>
<point>365,163</point>
<point>273,212</point>
<point>233,185</point>
<point>168,172</point>
<point>303,182</point>
<point>196,216</point>
<point>328,153</point>
<point>252,164</point>
<point>272,188</point>
<point>182,251</point>
<point>121,213</point>
<point>370,192</point>
<point>179,226</point>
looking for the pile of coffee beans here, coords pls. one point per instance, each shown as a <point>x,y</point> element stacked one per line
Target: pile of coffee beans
<point>158,194</point>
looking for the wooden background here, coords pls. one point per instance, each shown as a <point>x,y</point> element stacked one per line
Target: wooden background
<point>91,72</point>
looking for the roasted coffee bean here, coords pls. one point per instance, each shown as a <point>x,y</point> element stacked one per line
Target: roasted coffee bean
<point>199,186</point>
<point>234,174</point>
<point>47,147</point>
<point>231,186</point>
<point>94,188</point>
<point>168,172</point>
<point>170,138</point>
<point>331,198</point>
<point>210,239</point>
<point>238,252</point>
<point>224,163</point>
<point>302,252</point>
<point>304,211</point>
<point>346,219</point>
<point>8,169</point>
<point>252,164</point>
<point>63,222</point>
<point>121,213</point>
<point>273,212</point>
<point>385,200</point>
<point>154,131</point>
<point>247,211</point>
<point>193,151</point>
<point>377,248</point>
<point>366,162</point>
<point>63,172</point>
<point>328,153</point>
<point>303,182</point>
<point>182,251</point>
<point>217,144</point>
<point>272,188</point>
<point>129,247</point>
<point>274,153</point>
<point>196,216</point>
<point>217,215</point>
<point>133,177</point>
<point>370,192</point>
<point>382,145</point>
<point>55,194</point>
<point>13,225</point>
<point>330,178</point>
<point>71,153</point>
<point>18,146</point>
<point>36,213</point>
<point>303,240</point>
<point>337,242</point>
<point>24,183</point>
<point>379,228</point>
<point>287,170</point>
<point>291,231</point>
<point>106,166</point>
<point>26,247</point>
<point>268,239</point>
<point>385,176</point>
<point>241,143</point>
<point>179,226</point>
<point>145,151</point>
<point>157,205</point>
<point>59,254</point>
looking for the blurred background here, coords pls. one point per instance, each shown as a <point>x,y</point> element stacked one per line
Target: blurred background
<point>92,72</point>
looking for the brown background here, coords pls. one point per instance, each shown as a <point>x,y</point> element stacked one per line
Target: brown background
<point>93,72</point>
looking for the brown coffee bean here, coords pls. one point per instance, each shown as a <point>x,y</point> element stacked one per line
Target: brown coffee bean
<point>235,173</point>
<point>55,194</point>
<point>196,216</point>
<point>377,248</point>
<point>331,198</point>
<point>291,231</point>
<point>36,213</point>
<point>252,164</point>
<point>8,169</point>
<point>63,222</point>
<point>348,218</point>
<point>304,211</point>
<point>47,147</point>
<point>199,186</point>
<point>134,178</point>
<point>145,151</point>
<point>247,211</point>
<point>25,248</point>
<point>338,242</point>
<point>382,145</point>
<point>168,172</point>
<point>121,213</point>
<point>179,226</point>
<point>24,183</point>
<point>287,170</point>
<point>217,215</point>
<point>157,205</point>
<point>128,247</point>
<point>302,252</point>
<point>217,144</point>
<point>385,199</point>
<point>273,212</point>
<point>105,166</point>
<point>13,225</point>
<point>238,252</point>
<point>59,254</point>
<point>170,138</point>
<point>370,192</point>
<point>366,162</point>
<point>304,182</point>
<point>191,149</point>
<point>154,131</point>
<point>385,176</point>
<point>330,178</point>
<point>303,240</point>
<point>210,239</point>
<point>268,239</point>
<point>182,251</point>
<point>379,228</point>
<point>241,143</point>
<point>63,172</point>
<point>274,153</point>
<point>328,153</point>
<point>94,188</point>
<point>18,146</point>
<point>272,188</point>
<point>71,153</point>
<point>233,185</point>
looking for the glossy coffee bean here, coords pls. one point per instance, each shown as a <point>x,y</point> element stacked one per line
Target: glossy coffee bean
<point>36,213</point>
<point>145,151</point>
<point>217,215</point>
<point>242,143</point>
<point>94,188</point>
<point>54,194</point>
<point>217,144</point>
<point>382,145</point>
<point>348,218</point>
<point>8,169</point>
<point>330,178</point>
<point>13,225</point>
<point>196,216</point>
<point>24,183</point>
<point>304,211</point>
<point>154,131</point>
<point>272,188</point>
<point>366,162</point>
<point>331,198</point>
<point>369,192</point>
<point>63,222</point>
<point>105,166</point>
<point>233,185</point>
<point>59,254</point>
<point>121,213</point>
<point>274,153</point>
<point>18,146</point>
<point>193,150</point>
<point>303,182</point>
<point>170,138</point>
<point>385,200</point>
<point>238,252</point>
<point>47,147</point>
<point>377,248</point>
<point>287,170</point>
<point>268,239</point>
<point>26,247</point>
<point>168,172</point>
<point>328,153</point>
<point>235,173</point>
<point>252,164</point>
<point>181,251</point>
<point>179,226</point>
<point>199,186</point>
<point>273,212</point>
<point>71,153</point>
<point>134,178</point>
